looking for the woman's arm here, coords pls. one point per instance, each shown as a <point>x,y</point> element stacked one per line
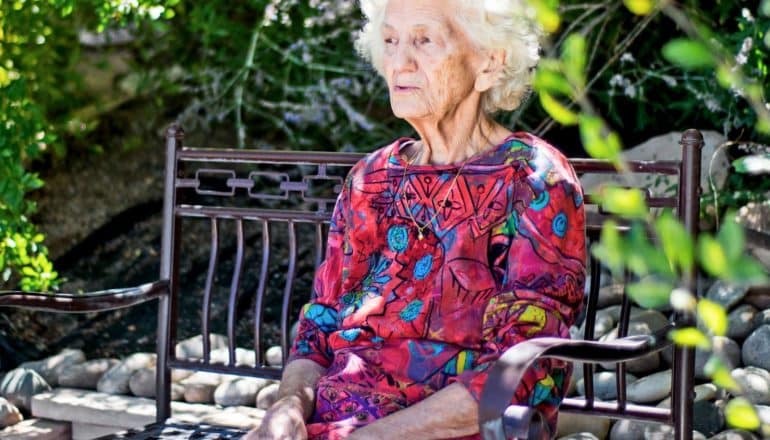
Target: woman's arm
<point>450,412</point>
<point>296,398</point>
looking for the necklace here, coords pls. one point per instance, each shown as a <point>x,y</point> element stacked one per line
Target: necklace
<point>421,228</point>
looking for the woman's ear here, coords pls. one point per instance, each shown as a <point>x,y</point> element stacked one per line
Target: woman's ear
<point>491,71</point>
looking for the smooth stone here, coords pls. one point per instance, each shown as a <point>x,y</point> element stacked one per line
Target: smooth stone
<point>243,357</point>
<point>650,389</point>
<point>116,379</point>
<point>267,396</point>
<point>580,436</point>
<point>758,296</point>
<point>274,356</point>
<point>643,322</point>
<point>734,434</point>
<point>9,414</point>
<point>762,318</point>
<point>638,430</point>
<point>192,348</point>
<point>724,348</point>
<point>705,391</point>
<point>577,375</point>
<point>575,424</point>
<point>87,374</point>
<point>741,321</point>
<point>178,375</point>
<point>763,411</point>
<point>604,385</point>
<point>51,367</point>
<point>200,387</point>
<point>708,417</point>
<point>603,324</point>
<point>239,392</point>
<point>756,348</point>
<point>726,295</point>
<point>610,295</point>
<point>142,382</point>
<point>755,383</point>
<point>19,385</point>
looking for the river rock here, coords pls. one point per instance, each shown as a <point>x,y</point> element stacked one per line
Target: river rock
<point>267,396</point>
<point>200,387</point>
<point>762,318</point>
<point>759,297</point>
<point>756,348</point>
<point>239,392</point>
<point>604,385</point>
<point>51,367</point>
<point>636,430</point>
<point>724,348</point>
<point>610,295</point>
<point>142,382</point>
<point>576,425</point>
<point>708,417</point>
<point>755,383</point>
<point>644,322</point>
<point>87,374</point>
<point>725,294</point>
<point>705,391</point>
<point>650,389</point>
<point>581,436</point>
<point>763,411</point>
<point>734,434</point>
<point>274,356</point>
<point>19,385</point>
<point>9,414</point>
<point>116,379</point>
<point>192,348</point>
<point>603,325</point>
<point>243,357</point>
<point>741,321</point>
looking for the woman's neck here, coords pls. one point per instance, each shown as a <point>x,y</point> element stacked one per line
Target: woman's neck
<point>455,138</point>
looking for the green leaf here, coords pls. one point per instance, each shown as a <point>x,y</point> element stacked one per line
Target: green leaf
<point>732,238</point>
<point>557,110</point>
<point>552,81</point>
<point>574,59</point>
<point>650,294</point>
<point>712,257</point>
<point>639,7</point>
<point>690,337</point>
<point>547,16</point>
<point>688,54</point>
<point>720,374</point>
<point>764,8</point>
<point>676,242</point>
<point>741,414</point>
<point>713,316</point>
<point>595,143</point>
<point>609,249</point>
<point>753,164</point>
<point>629,203</point>
<point>747,270</point>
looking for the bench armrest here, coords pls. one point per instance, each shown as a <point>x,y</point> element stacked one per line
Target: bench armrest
<point>505,375</point>
<point>87,302</point>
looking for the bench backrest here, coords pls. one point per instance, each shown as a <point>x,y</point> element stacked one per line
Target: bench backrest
<point>265,215</point>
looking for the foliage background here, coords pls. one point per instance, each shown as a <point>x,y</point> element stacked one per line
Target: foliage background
<point>283,73</point>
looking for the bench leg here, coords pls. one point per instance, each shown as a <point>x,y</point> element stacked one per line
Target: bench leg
<point>683,394</point>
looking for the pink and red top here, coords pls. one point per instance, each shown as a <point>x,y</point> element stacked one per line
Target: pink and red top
<point>395,318</point>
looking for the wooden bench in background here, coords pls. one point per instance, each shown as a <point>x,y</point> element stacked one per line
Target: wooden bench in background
<point>265,214</point>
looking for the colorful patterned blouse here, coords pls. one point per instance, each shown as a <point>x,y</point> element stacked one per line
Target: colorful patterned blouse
<point>395,318</point>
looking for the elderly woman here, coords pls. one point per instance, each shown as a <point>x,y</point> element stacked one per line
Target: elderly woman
<point>443,250</point>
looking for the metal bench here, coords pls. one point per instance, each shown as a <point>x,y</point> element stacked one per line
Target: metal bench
<point>266,213</point>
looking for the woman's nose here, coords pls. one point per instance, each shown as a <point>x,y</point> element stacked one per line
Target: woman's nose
<point>403,58</point>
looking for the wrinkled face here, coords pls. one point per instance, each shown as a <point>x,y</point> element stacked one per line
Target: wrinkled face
<point>429,63</point>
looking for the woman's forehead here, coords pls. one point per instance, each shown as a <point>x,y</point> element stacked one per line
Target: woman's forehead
<point>419,15</point>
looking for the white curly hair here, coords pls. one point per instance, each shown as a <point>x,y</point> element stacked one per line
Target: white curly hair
<point>490,24</point>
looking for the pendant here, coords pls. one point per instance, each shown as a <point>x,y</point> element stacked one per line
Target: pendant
<point>419,235</point>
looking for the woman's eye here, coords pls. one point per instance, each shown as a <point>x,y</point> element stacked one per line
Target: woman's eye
<point>422,40</point>
<point>390,41</point>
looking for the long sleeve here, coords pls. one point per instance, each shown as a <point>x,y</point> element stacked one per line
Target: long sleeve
<point>319,318</point>
<point>543,277</point>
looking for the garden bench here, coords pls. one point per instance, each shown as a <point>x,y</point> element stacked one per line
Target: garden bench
<point>273,208</point>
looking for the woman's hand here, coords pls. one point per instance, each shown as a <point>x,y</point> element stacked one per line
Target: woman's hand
<point>283,421</point>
